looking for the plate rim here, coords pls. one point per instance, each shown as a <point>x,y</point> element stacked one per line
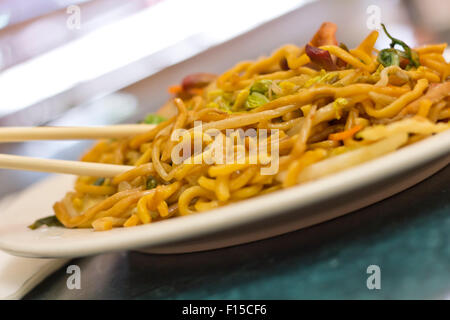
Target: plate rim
<point>228,216</point>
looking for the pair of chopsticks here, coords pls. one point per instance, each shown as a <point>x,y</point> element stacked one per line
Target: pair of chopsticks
<point>18,134</point>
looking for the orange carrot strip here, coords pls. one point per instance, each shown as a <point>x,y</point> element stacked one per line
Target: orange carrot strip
<point>345,134</point>
<point>175,89</point>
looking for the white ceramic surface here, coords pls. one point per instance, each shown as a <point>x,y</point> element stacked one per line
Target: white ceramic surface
<point>245,221</point>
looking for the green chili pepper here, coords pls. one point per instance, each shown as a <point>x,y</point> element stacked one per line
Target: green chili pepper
<point>50,221</point>
<point>388,57</point>
<point>392,57</point>
<point>153,118</point>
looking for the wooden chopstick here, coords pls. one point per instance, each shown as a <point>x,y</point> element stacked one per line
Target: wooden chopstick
<point>78,168</point>
<point>15,134</point>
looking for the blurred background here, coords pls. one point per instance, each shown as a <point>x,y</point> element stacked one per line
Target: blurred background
<point>95,62</point>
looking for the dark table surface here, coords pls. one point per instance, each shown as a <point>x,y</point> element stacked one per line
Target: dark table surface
<point>407,236</point>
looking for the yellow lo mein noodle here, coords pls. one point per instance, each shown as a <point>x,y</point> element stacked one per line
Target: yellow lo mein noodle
<point>332,107</point>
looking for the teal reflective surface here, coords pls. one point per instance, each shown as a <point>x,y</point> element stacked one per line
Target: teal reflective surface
<point>407,236</point>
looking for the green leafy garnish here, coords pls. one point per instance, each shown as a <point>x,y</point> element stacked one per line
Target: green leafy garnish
<point>261,86</point>
<point>153,118</point>
<point>50,221</point>
<point>151,183</point>
<point>393,57</point>
<point>255,99</point>
<point>99,182</point>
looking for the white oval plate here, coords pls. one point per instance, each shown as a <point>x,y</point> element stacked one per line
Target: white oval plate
<point>245,221</point>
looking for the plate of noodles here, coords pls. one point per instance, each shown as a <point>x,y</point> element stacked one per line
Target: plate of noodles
<point>269,146</point>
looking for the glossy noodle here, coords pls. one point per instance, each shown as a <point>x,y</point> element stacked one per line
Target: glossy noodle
<point>322,108</point>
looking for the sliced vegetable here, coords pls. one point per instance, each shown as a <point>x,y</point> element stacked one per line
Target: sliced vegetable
<point>343,46</point>
<point>175,89</point>
<point>345,134</point>
<point>224,103</point>
<point>320,57</point>
<point>389,57</point>
<point>255,99</point>
<point>154,118</point>
<point>151,183</point>
<point>323,77</point>
<point>196,91</point>
<point>99,182</point>
<point>50,221</point>
<point>312,81</point>
<point>338,104</point>
<point>339,62</point>
<point>393,57</point>
<point>261,86</point>
<point>220,99</point>
<point>284,64</point>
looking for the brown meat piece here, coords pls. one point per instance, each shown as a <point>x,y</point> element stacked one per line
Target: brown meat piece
<point>325,36</point>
